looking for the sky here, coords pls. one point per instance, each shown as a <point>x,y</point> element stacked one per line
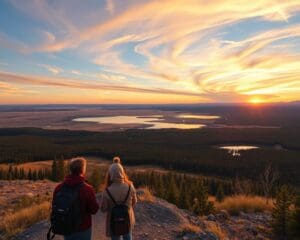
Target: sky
<point>136,51</point>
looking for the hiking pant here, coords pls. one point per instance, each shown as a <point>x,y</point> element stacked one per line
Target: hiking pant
<point>125,237</point>
<point>84,235</point>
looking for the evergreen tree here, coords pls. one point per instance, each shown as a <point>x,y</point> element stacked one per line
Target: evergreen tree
<point>295,220</point>
<point>10,173</point>
<point>54,170</point>
<point>40,174</point>
<point>281,213</point>
<point>16,173</point>
<point>160,188</point>
<point>61,169</point>
<point>220,193</point>
<point>201,204</point>
<point>172,195</point>
<point>34,175</point>
<point>29,174</point>
<point>183,201</point>
<point>22,173</point>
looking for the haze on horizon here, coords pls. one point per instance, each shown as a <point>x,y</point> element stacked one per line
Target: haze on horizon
<point>171,51</point>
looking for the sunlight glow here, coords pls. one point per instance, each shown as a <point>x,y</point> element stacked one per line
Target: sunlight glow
<point>256,100</point>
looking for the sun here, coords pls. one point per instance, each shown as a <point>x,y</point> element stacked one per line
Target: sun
<point>256,100</point>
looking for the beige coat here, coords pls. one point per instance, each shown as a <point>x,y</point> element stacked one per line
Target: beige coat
<point>119,191</point>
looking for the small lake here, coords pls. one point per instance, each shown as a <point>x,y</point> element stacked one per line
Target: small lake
<point>151,121</point>
<point>236,149</point>
<point>194,116</point>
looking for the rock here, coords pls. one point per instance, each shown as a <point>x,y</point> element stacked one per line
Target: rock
<point>223,215</point>
<point>211,217</point>
<point>252,230</point>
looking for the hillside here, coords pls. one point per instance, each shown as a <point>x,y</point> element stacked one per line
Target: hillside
<point>158,219</point>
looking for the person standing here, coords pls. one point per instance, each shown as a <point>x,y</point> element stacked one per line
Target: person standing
<point>118,201</point>
<point>74,201</point>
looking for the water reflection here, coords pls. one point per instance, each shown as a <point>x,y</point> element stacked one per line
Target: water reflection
<point>196,116</point>
<point>153,121</point>
<point>235,149</point>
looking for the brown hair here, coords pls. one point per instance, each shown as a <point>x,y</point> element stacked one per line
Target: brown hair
<point>77,165</point>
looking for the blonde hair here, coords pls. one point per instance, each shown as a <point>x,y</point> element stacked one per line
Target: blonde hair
<point>77,165</point>
<point>117,169</point>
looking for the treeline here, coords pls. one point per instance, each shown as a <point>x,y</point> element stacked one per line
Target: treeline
<point>188,150</point>
<point>14,173</point>
<point>59,170</point>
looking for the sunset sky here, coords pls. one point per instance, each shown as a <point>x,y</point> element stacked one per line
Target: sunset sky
<point>119,51</point>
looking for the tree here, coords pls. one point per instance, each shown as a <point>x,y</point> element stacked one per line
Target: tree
<point>220,193</point>
<point>10,173</point>
<point>29,174</point>
<point>267,179</point>
<point>201,204</point>
<point>281,213</point>
<point>295,220</point>
<point>60,170</point>
<point>1,173</point>
<point>54,170</point>
<point>34,175</point>
<point>22,173</point>
<point>172,194</point>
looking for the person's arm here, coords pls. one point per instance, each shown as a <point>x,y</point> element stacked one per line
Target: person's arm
<point>103,203</point>
<point>134,197</point>
<point>92,204</point>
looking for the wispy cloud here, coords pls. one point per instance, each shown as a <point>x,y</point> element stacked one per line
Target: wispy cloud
<point>110,6</point>
<point>184,47</point>
<point>53,69</point>
<point>71,83</point>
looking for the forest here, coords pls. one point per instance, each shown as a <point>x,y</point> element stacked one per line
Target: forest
<point>189,150</point>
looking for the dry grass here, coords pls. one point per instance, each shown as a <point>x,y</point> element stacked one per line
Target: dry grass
<point>144,195</point>
<point>16,222</point>
<point>219,232</point>
<point>242,203</point>
<point>189,228</point>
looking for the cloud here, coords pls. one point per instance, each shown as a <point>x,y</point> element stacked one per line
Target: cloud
<point>71,83</point>
<point>53,69</point>
<point>184,46</point>
<point>110,7</point>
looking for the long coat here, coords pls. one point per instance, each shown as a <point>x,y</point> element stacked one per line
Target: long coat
<point>119,191</point>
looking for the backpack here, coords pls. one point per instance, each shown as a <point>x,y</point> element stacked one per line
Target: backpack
<point>65,216</point>
<point>119,220</point>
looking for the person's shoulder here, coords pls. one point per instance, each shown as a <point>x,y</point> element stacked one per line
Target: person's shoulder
<point>87,188</point>
<point>87,185</point>
<point>58,187</point>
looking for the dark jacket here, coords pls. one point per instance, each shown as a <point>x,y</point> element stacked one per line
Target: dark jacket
<point>88,202</point>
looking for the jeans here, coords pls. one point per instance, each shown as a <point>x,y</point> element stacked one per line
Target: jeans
<point>85,235</point>
<point>124,237</point>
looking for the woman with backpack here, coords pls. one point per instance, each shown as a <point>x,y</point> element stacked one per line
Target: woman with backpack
<point>118,200</point>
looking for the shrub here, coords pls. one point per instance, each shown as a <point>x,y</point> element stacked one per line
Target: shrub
<point>145,195</point>
<point>217,230</point>
<point>16,222</point>
<point>243,203</point>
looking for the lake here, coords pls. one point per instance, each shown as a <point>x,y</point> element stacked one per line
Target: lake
<point>235,149</point>
<point>150,121</point>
